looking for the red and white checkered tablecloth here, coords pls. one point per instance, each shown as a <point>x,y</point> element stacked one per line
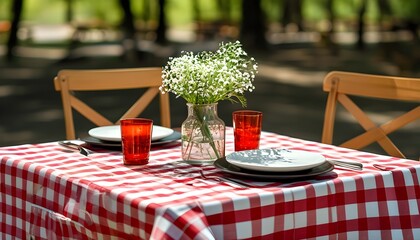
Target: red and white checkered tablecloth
<point>48,192</point>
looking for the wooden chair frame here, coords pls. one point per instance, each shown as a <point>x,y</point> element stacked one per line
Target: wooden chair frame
<point>70,81</point>
<point>341,85</point>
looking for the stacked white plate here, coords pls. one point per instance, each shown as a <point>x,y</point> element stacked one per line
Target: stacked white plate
<point>274,164</point>
<point>113,133</point>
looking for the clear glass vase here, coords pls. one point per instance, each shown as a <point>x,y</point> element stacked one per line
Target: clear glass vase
<point>203,134</point>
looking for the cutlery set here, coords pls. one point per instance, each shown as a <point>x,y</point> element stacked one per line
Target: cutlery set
<point>358,166</point>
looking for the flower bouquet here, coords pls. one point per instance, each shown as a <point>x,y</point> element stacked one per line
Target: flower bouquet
<point>204,79</point>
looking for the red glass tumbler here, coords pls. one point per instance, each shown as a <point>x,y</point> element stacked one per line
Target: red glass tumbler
<point>136,137</point>
<point>247,129</point>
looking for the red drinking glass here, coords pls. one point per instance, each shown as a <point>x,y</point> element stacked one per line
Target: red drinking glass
<point>247,129</point>
<point>136,137</point>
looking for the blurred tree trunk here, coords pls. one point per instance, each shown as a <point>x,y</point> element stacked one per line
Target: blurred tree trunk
<point>329,5</point>
<point>292,13</point>
<point>361,25</point>
<point>69,11</point>
<point>16,15</point>
<point>327,37</point>
<point>253,24</point>
<point>128,20</point>
<point>196,11</point>
<point>161,28</point>
<point>146,11</point>
<point>384,11</point>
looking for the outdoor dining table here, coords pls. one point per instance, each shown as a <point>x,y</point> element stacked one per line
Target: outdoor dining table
<point>48,192</point>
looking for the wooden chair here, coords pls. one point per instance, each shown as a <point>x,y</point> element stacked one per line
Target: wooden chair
<point>68,82</point>
<point>341,85</point>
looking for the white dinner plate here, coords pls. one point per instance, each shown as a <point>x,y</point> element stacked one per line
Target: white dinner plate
<point>117,145</point>
<point>113,133</point>
<point>275,160</point>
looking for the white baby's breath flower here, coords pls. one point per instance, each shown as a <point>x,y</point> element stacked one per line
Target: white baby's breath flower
<point>209,77</point>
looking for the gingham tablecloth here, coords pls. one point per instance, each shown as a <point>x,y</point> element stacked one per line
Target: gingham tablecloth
<point>48,192</point>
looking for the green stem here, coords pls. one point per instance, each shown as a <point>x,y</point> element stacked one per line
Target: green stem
<point>205,130</point>
<point>189,146</point>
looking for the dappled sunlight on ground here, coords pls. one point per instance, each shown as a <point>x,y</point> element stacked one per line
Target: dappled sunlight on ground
<point>290,75</point>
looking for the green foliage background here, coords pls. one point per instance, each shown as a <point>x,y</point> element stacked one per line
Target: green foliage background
<point>180,12</point>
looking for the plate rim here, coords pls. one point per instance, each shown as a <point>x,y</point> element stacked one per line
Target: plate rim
<point>327,167</point>
<point>92,133</point>
<point>256,167</point>
<point>175,136</point>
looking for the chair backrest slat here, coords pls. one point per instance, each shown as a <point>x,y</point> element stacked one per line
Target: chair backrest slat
<point>69,81</point>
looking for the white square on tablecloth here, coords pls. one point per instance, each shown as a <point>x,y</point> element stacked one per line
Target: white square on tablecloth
<point>349,184</point>
<point>301,219</point>
<point>321,189</point>
<point>128,228</point>
<point>288,194</point>
<point>19,223</point>
<point>43,233</point>
<point>369,182</point>
<point>322,216</point>
<point>212,208</point>
<point>414,210</point>
<point>288,220</point>
<point>244,230</point>
<point>241,203</point>
<point>352,235</point>
<point>8,180</point>
<point>266,199</point>
<point>299,193</point>
<point>19,204</point>
<point>372,209</point>
<point>267,226</point>
<point>374,234</point>
<point>398,234</point>
<point>50,193</point>
<point>393,208</point>
<point>351,211</point>
<point>408,177</point>
<point>388,179</point>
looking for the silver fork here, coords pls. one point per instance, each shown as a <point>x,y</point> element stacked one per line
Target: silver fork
<point>75,146</point>
<point>345,164</point>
